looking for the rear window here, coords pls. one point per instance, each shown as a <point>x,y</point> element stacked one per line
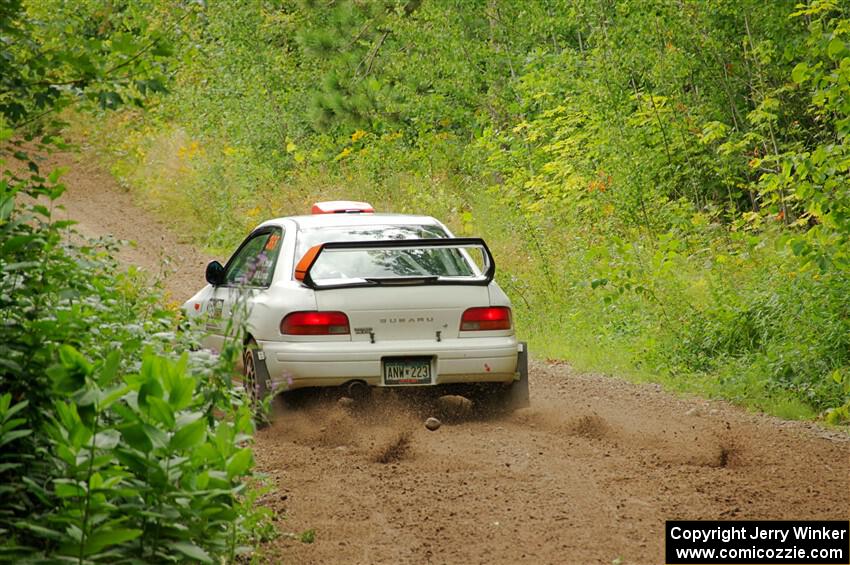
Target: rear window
<point>382,263</point>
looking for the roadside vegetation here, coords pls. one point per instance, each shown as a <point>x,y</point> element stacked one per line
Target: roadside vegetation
<point>116,443</point>
<point>664,183</point>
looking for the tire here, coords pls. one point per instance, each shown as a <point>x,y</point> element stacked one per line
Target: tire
<point>255,377</point>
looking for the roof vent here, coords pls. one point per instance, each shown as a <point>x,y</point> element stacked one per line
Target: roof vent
<point>342,207</point>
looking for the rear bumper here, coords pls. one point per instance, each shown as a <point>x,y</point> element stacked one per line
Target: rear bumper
<point>294,365</point>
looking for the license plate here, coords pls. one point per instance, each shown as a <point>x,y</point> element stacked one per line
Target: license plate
<point>407,371</point>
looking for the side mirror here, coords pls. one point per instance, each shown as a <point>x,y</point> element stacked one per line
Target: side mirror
<point>215,273</point>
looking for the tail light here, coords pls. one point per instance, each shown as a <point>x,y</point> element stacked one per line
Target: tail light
<point>486,318</point>
<point>315,323</point>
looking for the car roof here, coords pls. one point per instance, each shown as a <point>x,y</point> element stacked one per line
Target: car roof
<point>360,219</point>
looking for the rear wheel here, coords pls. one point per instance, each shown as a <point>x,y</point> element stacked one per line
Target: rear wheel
<point>254,379</point>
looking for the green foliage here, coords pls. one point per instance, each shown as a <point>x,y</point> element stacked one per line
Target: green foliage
<point>142,459</point>
<point>55,54</point>
<point>11,429</point>
<point>117,445</point>
<point>815,170</point>
<point>130,449</point>
<point>307,536</point>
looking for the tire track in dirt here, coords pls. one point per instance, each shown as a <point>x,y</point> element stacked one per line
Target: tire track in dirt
<point>588,474</point>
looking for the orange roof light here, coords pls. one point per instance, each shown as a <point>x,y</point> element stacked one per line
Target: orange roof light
<point>342,207</point>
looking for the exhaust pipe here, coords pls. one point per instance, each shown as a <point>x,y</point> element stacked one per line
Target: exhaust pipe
<point>358,390</point>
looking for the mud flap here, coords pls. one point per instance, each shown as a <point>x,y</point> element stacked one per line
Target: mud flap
<point>519,396</point>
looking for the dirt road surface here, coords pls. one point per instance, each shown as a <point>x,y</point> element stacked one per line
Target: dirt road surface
<point>588,474</point>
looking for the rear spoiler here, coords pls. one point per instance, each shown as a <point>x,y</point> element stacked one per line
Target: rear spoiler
<point>305,265</point>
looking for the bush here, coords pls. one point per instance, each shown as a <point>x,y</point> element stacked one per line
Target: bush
<point>117,444</point>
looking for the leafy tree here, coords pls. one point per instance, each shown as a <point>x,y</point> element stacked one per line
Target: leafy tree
<point>55,53</point>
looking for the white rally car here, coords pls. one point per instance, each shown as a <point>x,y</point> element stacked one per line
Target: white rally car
<point>352,299</point>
